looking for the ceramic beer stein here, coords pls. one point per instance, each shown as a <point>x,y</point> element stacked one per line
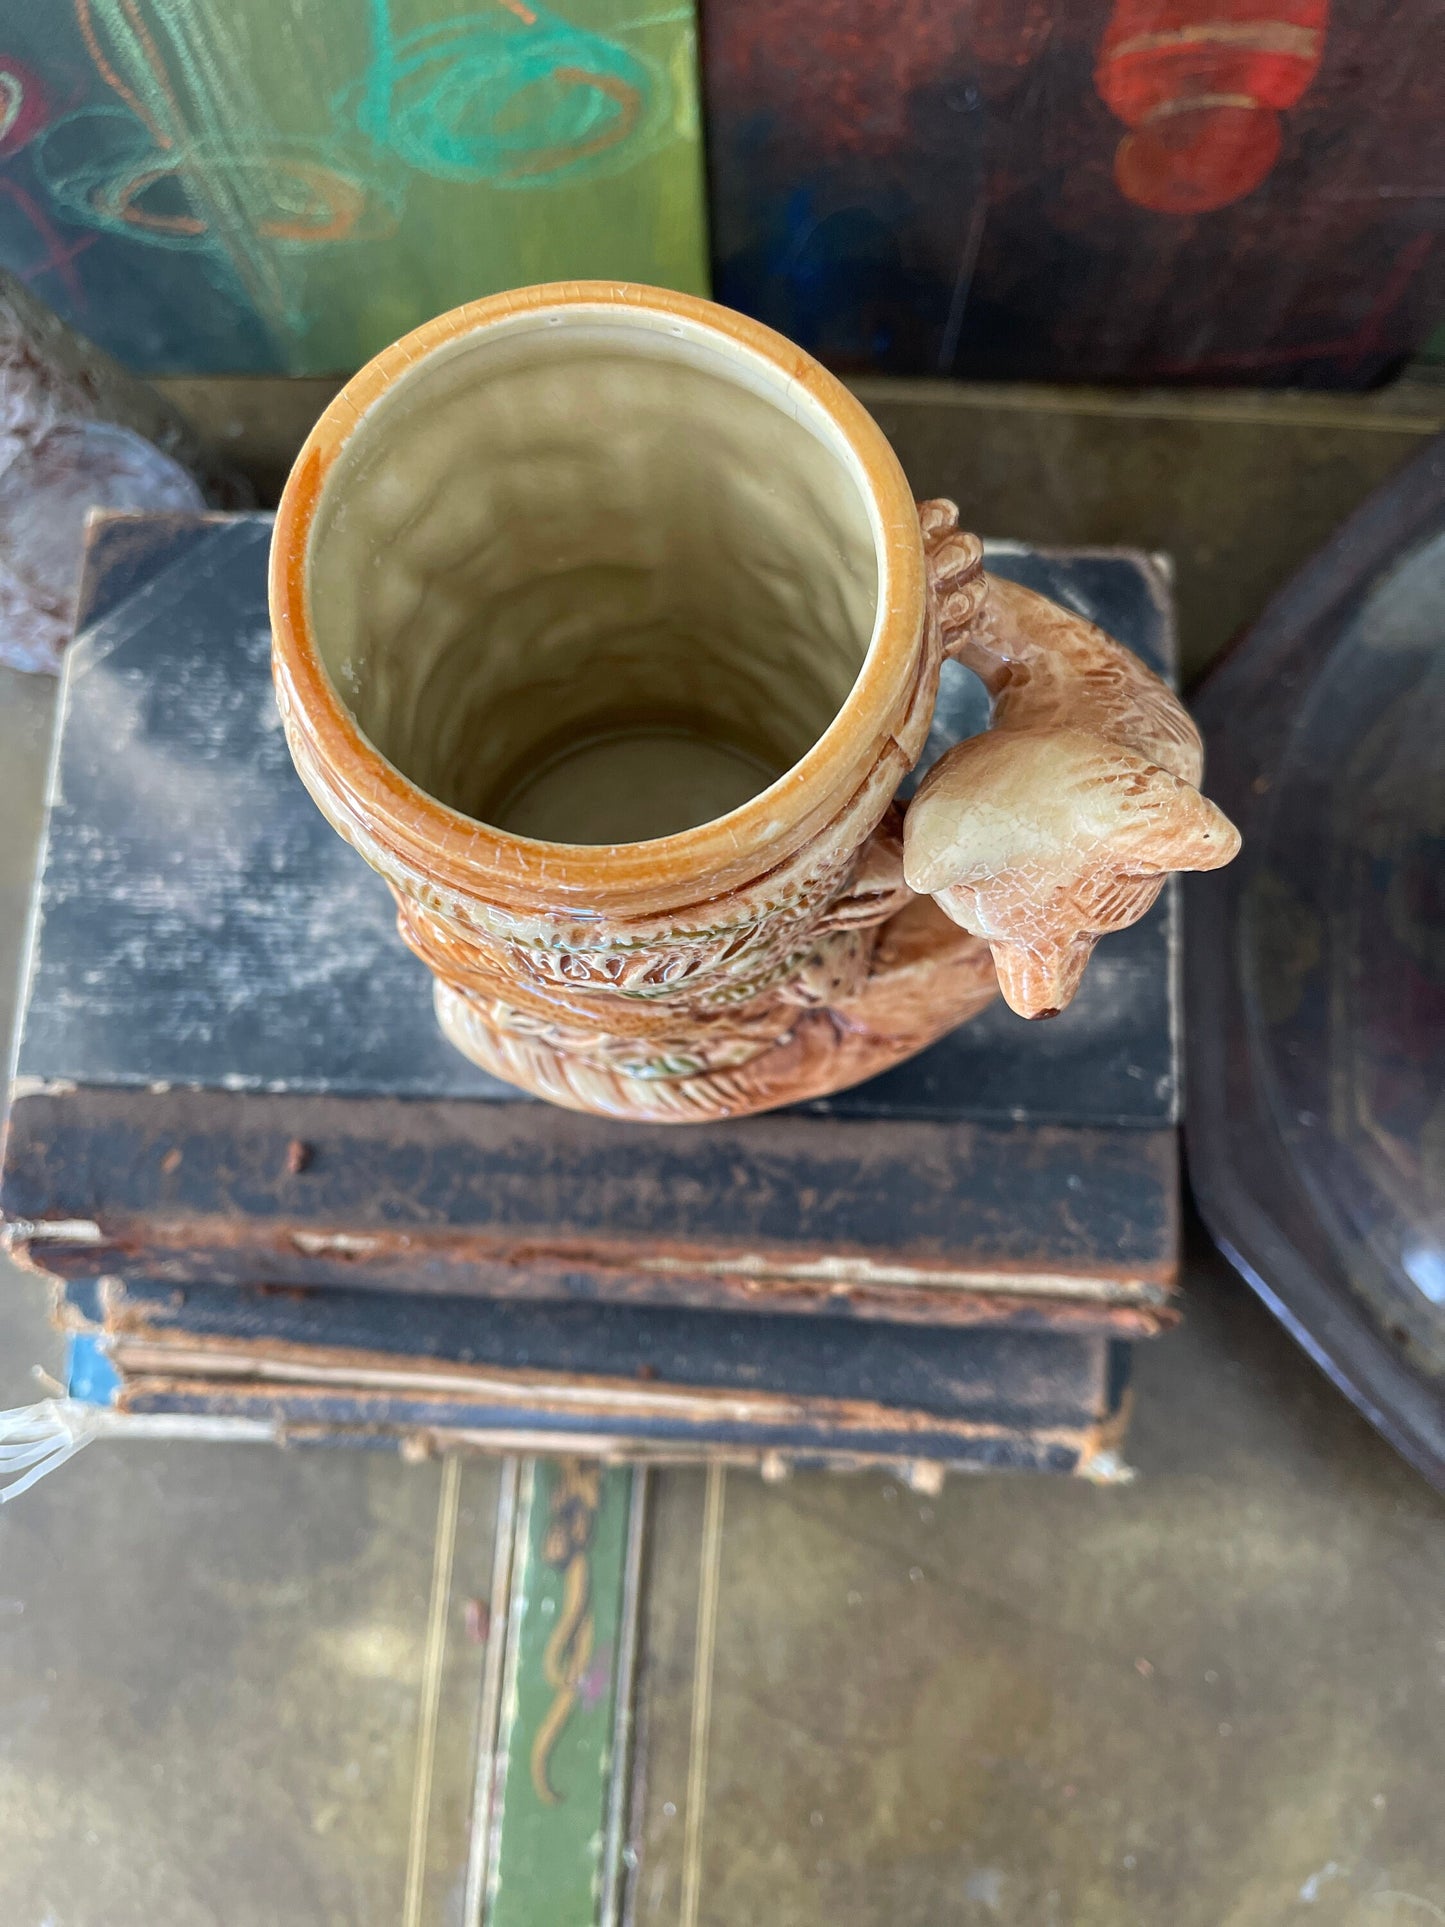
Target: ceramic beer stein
<point>606,628</point>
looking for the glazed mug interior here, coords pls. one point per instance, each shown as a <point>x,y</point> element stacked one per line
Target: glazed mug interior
<point>594,579</point>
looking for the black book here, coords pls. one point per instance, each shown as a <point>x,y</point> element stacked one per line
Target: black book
<point>615,1381</point>
<point>230,1088</point>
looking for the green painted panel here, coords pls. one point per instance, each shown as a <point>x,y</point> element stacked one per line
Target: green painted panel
<point>291,184</point>
<point>559,1714</point>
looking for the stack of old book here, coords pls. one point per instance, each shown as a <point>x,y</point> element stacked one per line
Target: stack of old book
<point>270,1191</point>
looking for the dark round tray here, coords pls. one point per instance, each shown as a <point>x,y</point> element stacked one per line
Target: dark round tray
<point>1315,965</point>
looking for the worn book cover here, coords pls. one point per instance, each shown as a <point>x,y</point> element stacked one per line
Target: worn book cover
<point>646,1383</point>
<point>229,1073</point>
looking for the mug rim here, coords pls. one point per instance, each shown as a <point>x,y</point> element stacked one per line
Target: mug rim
<point>475,857</point>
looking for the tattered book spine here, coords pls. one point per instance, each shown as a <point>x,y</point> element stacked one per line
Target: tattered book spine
<point>560,1380</point>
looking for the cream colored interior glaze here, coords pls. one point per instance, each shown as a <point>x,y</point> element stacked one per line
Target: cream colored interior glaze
<point>593,580</point>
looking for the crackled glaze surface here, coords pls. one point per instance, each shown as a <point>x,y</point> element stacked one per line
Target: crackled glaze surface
<point>595,560</point>
<point>1061,823</point>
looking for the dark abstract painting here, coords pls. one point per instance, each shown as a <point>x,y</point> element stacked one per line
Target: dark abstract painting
<point>1239,191</point>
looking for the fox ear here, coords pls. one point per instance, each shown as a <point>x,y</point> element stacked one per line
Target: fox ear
<point>1181,831</point>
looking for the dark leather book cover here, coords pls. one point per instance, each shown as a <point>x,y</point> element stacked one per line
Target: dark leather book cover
<point>653,1383</point>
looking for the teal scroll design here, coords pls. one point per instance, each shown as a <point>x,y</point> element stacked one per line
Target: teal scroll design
<point>512,96</point>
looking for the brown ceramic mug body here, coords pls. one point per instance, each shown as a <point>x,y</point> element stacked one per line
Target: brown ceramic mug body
<point>606,628</point>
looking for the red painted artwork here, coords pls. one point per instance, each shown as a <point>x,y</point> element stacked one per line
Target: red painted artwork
<point>24,104</point>
<point>1116,190</point>
<point>1201,86</point>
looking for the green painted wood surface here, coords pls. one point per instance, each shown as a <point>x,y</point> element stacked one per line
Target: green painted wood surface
<point>554,1785</point>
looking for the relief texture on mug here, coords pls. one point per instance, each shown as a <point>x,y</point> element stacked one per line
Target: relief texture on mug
<point>606,629</point>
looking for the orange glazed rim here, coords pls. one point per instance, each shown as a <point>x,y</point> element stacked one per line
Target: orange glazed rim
<point>474,856</point>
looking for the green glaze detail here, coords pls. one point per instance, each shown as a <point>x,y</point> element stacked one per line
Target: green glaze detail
<point>559,1712</point>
